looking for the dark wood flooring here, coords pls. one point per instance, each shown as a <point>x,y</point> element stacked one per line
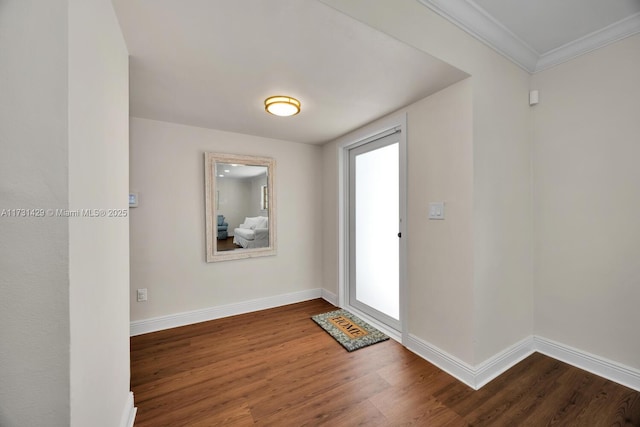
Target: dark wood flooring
<point>226,244</point>
<point>278,368</point>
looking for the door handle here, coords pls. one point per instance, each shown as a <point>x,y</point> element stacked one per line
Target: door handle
<point>399,234</point>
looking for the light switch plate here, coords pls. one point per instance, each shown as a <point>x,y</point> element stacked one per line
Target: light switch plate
<point>436,210</point>
<point>142,295</point>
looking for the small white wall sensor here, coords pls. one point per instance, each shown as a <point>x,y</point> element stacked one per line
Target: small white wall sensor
<point>533,97</point>
<point>133,200</point>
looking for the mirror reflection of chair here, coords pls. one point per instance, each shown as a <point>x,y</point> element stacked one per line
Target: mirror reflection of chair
<point>222,228</point>
<point>252,233</point>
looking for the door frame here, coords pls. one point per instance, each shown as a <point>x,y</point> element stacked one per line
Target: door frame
<point>368,133</point>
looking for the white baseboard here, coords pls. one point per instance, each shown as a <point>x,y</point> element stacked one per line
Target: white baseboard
<point>145,326</point>
<point>330,297</point>
<point>473,376</point>
<point>621,374</point>
<point>129,413</point>
<point>443,360</point>
<point>501,362</point>
<point>478,376</point>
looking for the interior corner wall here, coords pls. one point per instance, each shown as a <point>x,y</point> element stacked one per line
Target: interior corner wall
<point>502,170</point>
<point>330,218</point>
<point>587,199</point>
<point>168,226</point>
<point>98,244</point>
<point>34,284</point>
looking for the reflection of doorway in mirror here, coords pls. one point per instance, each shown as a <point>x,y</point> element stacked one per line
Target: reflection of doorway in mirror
<point>264,198</point>
<point>257,206</point>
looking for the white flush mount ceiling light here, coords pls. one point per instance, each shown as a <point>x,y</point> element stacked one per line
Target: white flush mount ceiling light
<point>282,106</point>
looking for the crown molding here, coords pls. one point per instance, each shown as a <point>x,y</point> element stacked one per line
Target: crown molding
<point>473,19</point>
<point>610,34</point>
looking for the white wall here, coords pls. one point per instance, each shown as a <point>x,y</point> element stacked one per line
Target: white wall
<point>502,207</point>
<point>63,144</point>
<point>167,229</point>
<point>587,202</point>
<point>98,247</point>
<point>34,284</point>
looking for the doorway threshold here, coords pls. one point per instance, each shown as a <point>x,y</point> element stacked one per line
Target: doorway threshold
<point>393,333</point>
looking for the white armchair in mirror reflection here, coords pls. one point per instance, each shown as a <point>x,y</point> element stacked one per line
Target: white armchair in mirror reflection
<point>252,233</point>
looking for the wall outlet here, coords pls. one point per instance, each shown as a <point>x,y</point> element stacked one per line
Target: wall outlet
<point>142,295</point>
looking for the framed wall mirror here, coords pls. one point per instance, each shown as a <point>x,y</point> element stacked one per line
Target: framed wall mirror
<point>240,206</point>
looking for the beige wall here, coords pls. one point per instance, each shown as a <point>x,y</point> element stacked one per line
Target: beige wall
<point>98,247</point>
<point>64,357</point>
<point>34,284</point>
<point>587,202</point>
<point>440,253</point>
<point>167,229</point>
<point>502,207</point>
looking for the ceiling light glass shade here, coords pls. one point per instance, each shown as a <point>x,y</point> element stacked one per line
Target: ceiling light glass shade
<point>282,106</point>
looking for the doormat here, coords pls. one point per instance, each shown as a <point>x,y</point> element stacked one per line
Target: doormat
<point>350,331</point>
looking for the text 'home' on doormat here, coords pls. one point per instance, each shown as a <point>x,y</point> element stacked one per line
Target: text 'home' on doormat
<point>349,330</point>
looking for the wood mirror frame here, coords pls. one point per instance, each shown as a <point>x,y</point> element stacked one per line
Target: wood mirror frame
<point>212,208</point>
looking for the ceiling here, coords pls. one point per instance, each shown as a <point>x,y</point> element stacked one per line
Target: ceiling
<point>232,170</point>
<point>212,63</point>
<point>538,34</point>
